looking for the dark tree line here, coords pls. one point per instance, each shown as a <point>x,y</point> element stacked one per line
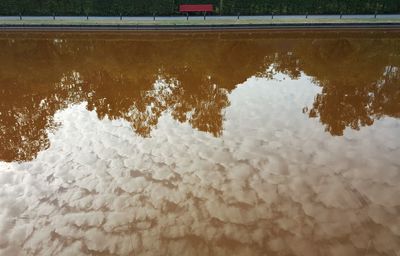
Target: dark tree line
<point>170,7</point>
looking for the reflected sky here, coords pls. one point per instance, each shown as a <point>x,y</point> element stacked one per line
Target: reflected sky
<point>262,143</point>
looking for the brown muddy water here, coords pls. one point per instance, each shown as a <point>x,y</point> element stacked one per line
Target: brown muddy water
<point>239,143</point>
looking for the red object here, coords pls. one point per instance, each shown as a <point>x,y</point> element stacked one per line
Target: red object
<point>196,8</point>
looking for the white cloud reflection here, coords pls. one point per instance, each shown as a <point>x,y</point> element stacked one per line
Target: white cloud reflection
<point>273,183</point>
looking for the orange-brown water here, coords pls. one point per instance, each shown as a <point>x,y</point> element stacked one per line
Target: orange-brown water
<point>222,143</point>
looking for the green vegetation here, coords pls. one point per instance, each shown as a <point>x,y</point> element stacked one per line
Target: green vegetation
<point>170,7</point>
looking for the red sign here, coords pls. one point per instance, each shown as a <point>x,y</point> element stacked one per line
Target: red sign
<point>196,8</point>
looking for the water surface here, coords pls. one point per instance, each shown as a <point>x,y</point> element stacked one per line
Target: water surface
<point>247,143</point>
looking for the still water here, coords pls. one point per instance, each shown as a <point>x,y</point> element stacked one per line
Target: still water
<point>239,143</point>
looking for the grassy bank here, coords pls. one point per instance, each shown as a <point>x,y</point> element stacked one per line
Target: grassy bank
<point>193,22</point>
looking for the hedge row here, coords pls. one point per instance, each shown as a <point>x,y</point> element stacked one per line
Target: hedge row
<point>170,7</point>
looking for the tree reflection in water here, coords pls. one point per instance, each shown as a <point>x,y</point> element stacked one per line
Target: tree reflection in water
<point>139,76</point>
<point>358,80</point>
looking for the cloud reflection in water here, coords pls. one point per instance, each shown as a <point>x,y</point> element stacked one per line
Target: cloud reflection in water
<point>125,172</point>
